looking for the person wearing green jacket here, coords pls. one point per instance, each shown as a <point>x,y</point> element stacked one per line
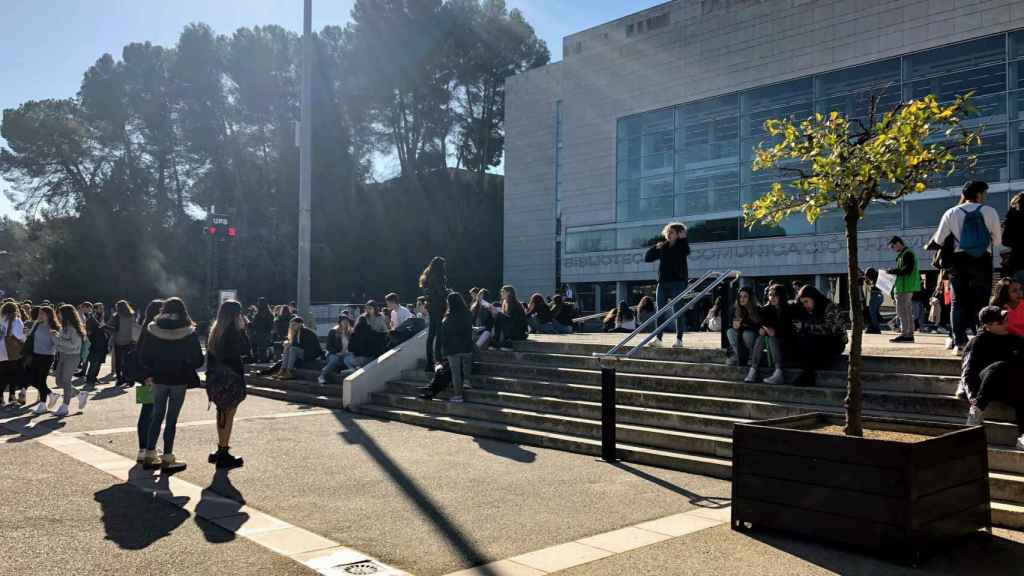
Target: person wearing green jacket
<point>908,281</point>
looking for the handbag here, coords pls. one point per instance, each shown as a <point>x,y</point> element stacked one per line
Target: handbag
<point>144,394</point>
<point>11,344</point>
<point>935,310</point>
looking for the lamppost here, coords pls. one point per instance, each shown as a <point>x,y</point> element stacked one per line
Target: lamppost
<point>305,164</point>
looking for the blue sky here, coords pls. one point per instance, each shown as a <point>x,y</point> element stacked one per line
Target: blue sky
<point>47,46</point>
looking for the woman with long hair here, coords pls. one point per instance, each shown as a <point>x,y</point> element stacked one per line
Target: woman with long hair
<point>1013,235</point>
<point>434,283</point>
<point>43,338</point>
<point>122,330</point>
<point>69,346</point>
<point>775,334</point>
<point>144,399</point>
<point>821,333</point>
<point>539,316</point>
<point>170,358</point>
<point>1008,297</point>
<point>620,319</point>
<point>12,338</point>
<point>644,310</point>
<point>510,322</point>
<point>224,349</point>
<point>99,343</point>
<point>483,318</point>
<point>338,355</point>
<point>562,313</point>
<point>745,324</point>
<point>456,340</point>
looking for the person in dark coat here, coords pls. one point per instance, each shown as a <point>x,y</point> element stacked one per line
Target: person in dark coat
<point>434,282</point>
<point>456,338</point>
<point>509,322</point>
<point>993,369</point>
<point>145,408</point>
<point>225,348</point>
<point>673,273</point>
<point>366,343</point>
<point>775,334</point>
<point>99,343</point>
<point>261,329</point>
<point>302,346</point>
<point>820,333</point>
<point>169,361</point>
<point>1013,236</point>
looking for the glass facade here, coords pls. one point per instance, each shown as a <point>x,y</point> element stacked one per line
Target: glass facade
<point>692,162</point>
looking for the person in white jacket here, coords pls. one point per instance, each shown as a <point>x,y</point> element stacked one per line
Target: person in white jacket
<point>69,347</point>
<point>12,330</point>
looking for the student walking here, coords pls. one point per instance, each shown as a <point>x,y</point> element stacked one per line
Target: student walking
<point>908,283</point>
<point>42,346</point>
<point>225,377</point>
<point>170,360</point>
<point>12,339</point>
<point>456,339</point>
<point>69,346</point>
<point>144,392</point>
<point>673,273</point>
<point>434,282</point>
<point>976,231</point>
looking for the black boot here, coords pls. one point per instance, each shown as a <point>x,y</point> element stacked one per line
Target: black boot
<point>223,459</point>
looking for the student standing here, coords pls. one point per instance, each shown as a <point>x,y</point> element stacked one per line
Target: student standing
<point>673,273</point>
<point>12,339</point>
<point>260,330</point>
<point>224,350</point>
<point>434,282</point>
<point>875,298</point>
<point>457,342</point>
<point>98,345</point>
<point>1013,235</point>
<point>144,398</point>
<point>43,340</point>
<point>170,360</point>
<point>908,283</point>
<point>69,346</point>
<point>122,329</point>
<point>976,232</point>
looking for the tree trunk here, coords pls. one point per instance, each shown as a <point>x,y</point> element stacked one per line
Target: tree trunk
<point>854,392</point>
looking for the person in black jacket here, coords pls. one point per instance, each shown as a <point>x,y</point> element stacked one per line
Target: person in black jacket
<point>301,346</point>
<point>775,334</point>
<point>98,345</point>
<point>563,313</point>
<point>456,339</point>
<point>225,348</point>
<point>434,282</point>
<point>1013,236</point>
<point>169,360</point>
<point>366,343</point>
<point>145,408</point>
<point>539,316</point>
<point>993,369</point>
<point>673,273</point>
<point>510,321</point>
<point>260,330</point>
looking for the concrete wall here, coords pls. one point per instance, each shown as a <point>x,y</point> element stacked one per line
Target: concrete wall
<point>711,47</point>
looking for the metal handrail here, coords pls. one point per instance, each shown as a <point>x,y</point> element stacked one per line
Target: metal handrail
<point>677,298</point>
<point>654,317</point>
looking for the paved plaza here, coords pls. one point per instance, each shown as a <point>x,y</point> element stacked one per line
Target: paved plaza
<point>324,489</point>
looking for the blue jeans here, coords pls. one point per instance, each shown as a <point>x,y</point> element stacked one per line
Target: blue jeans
<point>145,419</point>
<point>666,292</point>
<point>167,400</point>
<point>970,286</point>
<point>875,311</point>
<point>336,360</point>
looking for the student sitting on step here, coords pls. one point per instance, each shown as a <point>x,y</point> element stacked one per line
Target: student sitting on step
<point>993,369</point>
<point>1008,297</point>
<point>820,333</point>
<point>301,347</point>
<point>746,322</point>
<point>775,334</point>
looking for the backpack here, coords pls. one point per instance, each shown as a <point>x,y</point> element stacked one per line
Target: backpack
<point>224,387</point>
<point>974,235</point>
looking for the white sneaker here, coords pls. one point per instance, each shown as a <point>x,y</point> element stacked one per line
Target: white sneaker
<point>51,401</point>
<point>39,408</point>
<point>62,411</point>
<point>83,397</point>
<point>321,380</point>
<point>950,344</point>
<point>777,377</point>
<point>655,343</point>
<point>958,351</point>
<point>678,344</point>
<point>751,376</point>
<point>975,416</point>
<point>1020,443</point>
<point>456,399</point>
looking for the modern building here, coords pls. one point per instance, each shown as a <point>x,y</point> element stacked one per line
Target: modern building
<point>653,117</point>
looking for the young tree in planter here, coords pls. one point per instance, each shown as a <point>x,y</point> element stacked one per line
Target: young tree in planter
<point>849,164</point>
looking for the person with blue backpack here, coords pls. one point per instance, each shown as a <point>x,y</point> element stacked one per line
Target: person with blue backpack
<point>976,232</point>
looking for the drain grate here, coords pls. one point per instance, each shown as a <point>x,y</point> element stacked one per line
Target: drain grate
<point>360,568</point>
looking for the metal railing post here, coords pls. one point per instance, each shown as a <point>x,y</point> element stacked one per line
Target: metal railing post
<point>608,405</point>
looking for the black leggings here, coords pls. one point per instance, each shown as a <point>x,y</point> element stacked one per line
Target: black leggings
<point>1002,382</point>
<point>12,377</point>
<point>433,346</point>
<point>38,370</point>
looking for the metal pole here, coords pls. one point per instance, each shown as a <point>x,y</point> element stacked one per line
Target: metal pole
<point>305,154</point>
<point>608,411</point>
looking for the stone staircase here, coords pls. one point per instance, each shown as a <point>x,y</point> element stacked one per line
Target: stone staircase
<point>676,408</point>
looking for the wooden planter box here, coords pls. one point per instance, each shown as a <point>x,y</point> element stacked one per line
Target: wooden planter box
<point>897,499</point>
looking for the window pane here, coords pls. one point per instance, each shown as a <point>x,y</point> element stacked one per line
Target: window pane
<point>879,216</point>
<point>777,95</point>
<point>658,164</point>
<point>982,81</point>
<point>858,104</point>
<point>1017,165</point>
<point>989,167</point>
<point>663,186</point>
<point>589,241</point>
<point>752,124</point>
<point>708,109</point>
<point>926,213</point>
<point>630,126</point>
<point>630,148</point>
<point>794,225</point>
<point>712,230</point>
<point>641,237</point>
<point>645,208</point>
<point>659,142</point>
<point>659,120</point>
<point>712,142</point>
<point>629,169</point>
<point>871,77</point>
<point>1016,104</point>
<point>707,191</point>
<point>956,57</point>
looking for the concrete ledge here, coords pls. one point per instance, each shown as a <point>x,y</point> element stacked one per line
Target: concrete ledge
<point>358,387</point>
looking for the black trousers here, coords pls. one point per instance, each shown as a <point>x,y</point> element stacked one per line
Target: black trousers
<point>95,361</point>
<point>433,346</point>
<point>1003,382</point>
<point>817,352</point>
<point>38,370</point>
<point>12,377</point>
<point>120,364</point>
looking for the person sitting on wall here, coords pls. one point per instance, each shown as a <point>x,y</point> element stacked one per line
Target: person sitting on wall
<point>338,356</point>
<point>993,369</point>
<point>820,333</point>
<point>404,324</point>
<point>539,316</point>
<point>368,341</point>
<point>563,313</point>
<point>620,319</point>
<point>509,322</point>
